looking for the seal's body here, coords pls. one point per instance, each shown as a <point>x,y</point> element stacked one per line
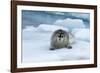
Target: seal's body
<point>60,39</point>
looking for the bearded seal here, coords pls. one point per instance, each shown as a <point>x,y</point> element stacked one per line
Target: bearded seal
<point>60,39</point>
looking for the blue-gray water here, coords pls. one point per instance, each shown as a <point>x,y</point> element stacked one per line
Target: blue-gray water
<point>36,18</point>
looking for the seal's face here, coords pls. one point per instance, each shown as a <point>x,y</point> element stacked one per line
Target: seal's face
<point>60,39</point>
<point>60,36</point>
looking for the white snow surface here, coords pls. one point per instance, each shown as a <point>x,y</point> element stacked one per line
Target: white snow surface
<point>36,44</point>
<point>70,23</point>
<point>29,28</point>
<point>82,34</point>
<point>49,28</point>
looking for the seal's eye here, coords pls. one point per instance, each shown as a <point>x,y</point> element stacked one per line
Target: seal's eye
<point>62,36</point>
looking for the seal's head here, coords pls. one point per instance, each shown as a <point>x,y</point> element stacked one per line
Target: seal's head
<point>60,35</point>
<point>59,39</point>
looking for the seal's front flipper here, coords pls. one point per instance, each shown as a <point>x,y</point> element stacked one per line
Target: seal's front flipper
<point>69,47</point>
<point>52,48</point>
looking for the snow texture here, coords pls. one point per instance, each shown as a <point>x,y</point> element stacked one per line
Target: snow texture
<point>82,34</point>
<point>70,23</point>
<point>49,28</point>
<point>36,43</point>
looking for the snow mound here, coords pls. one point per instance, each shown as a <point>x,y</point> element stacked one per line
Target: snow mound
<point>49,28</point>
<point>29,28</point>
<point>82,34</point>
<point>70,23</point>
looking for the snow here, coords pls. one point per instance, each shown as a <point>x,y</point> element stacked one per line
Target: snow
<point>36,45</point>
<point>29,28</point>
<point>49,28</point>
<point>70,23</point>
<point>82,34</point>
